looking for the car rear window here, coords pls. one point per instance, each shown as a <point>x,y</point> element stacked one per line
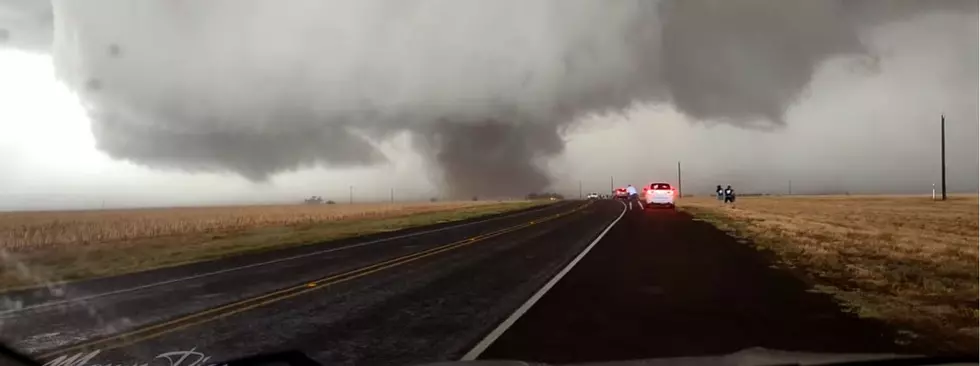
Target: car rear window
<point>660,186</point>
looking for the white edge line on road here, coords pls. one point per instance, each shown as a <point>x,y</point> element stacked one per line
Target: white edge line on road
<point>226,270</point>
<point>502,327</point>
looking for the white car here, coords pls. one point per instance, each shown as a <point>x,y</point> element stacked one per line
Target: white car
<point>592,196</point>
<point>659,194</point>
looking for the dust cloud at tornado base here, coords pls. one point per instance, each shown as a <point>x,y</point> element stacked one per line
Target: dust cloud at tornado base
<point>485,88</point>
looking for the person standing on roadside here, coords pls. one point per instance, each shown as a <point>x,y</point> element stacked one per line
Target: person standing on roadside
<point>729,195</point>
<point>720,193</point>
<point>632,196</point>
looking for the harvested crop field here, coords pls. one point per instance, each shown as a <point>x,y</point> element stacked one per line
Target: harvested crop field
<point>909,261</point>
<point>40,247</point>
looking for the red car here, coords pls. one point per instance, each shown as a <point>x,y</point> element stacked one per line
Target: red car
<point>621,194</point>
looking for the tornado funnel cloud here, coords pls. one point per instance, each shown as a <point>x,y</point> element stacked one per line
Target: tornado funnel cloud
<point>491,159</point>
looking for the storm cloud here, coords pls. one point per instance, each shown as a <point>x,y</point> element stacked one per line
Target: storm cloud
<point>486,87</point>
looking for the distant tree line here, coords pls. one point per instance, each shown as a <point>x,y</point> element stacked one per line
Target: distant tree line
<point>317,200</point>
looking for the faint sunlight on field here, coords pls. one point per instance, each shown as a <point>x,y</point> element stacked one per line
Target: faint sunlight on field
<point>908,260</point>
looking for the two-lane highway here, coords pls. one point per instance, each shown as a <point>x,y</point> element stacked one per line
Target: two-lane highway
<point>569,282</point>
<point>405,298</point>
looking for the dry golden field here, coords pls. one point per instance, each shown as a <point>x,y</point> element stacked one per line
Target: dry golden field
<point>20,231</point>
<point>907,260</point>
<point>40,247</point>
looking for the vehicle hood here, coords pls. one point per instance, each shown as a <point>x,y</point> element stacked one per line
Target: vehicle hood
<point>751,356</point>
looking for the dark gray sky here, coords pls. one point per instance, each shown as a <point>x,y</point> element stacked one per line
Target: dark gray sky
<point>181,102</point>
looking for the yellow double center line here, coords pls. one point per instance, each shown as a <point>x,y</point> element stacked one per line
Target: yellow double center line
<point>158,329</point>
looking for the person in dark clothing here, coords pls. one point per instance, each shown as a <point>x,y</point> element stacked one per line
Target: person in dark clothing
<point>729,195</point>
<point>720,192</point>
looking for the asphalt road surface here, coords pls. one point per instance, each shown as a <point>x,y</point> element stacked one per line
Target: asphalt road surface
<point>661,284</point>
<point>656,284</point>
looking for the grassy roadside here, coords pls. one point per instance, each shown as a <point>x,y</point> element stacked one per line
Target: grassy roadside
<point>908,261</point>
<point>46,265</point>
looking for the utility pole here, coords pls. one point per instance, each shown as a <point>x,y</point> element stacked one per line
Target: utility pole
<point>352,194</point>
<point>611,186</point>
<point>680,193</point>
<point>393,195</point>
<point>942,122</point>
<point>579,189</point>
<point>790,187</point>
